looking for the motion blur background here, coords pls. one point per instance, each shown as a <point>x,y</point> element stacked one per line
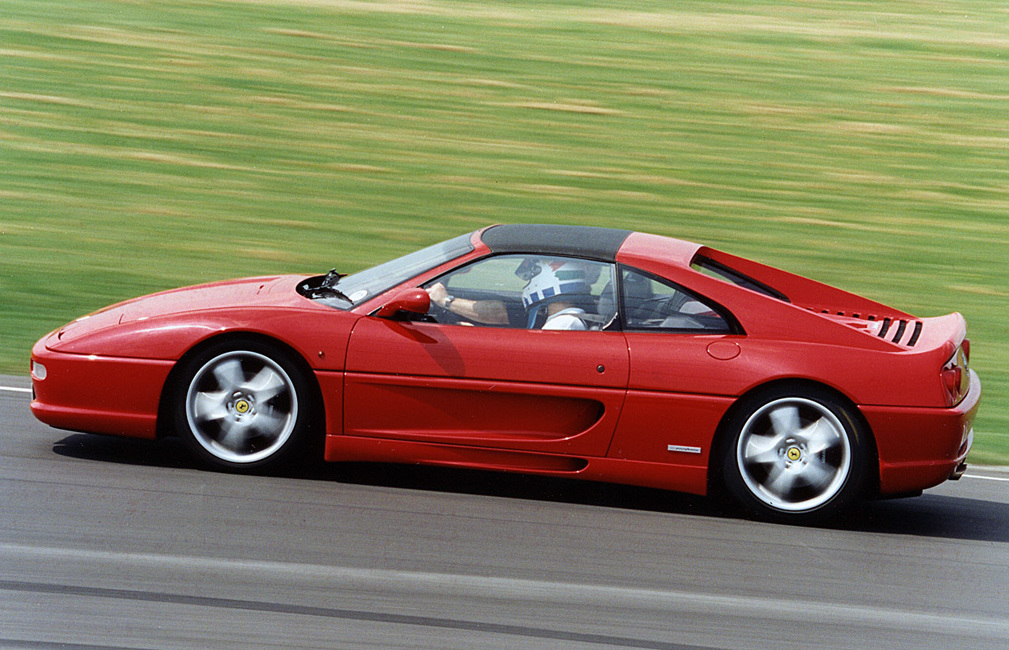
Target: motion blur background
<point>147,145</point>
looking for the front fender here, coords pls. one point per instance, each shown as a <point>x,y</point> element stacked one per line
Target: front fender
<point>319,335</point>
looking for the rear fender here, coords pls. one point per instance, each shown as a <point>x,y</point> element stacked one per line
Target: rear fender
<point>731,421</point>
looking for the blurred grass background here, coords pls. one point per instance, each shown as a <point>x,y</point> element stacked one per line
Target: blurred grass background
<point>146,145</point>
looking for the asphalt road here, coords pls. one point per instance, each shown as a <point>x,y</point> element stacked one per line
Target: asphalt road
<point>116,543</point>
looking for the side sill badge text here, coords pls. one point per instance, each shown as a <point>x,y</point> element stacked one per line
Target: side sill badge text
<point>684,450</point>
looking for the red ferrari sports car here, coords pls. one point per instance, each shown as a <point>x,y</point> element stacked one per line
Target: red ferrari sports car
<point>557,350</point>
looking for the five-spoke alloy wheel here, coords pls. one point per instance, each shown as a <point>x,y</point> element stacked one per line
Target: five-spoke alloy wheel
<point>795,457</point>
<point>242,405</point>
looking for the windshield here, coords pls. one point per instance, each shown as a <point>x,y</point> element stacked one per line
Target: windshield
<point>354,289</point>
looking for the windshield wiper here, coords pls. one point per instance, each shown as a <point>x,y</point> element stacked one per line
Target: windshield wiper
<point>327,287</point>
<point>332,278</point>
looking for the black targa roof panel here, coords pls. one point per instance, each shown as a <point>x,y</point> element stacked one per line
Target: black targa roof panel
<point>578,241</point>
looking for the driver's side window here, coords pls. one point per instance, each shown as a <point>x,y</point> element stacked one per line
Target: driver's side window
<point>527,292</point>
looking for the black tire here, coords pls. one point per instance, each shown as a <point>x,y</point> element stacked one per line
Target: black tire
<point>795,456</point>
<point>242,406</point>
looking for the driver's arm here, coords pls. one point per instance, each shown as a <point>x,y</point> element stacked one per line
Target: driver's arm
<point>490,312</point>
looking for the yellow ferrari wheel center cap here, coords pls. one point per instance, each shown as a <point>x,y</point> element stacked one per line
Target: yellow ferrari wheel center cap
<point>793,453</point>
<point>242,406</point>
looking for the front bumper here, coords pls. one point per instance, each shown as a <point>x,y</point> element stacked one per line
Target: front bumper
<point>97,394</point>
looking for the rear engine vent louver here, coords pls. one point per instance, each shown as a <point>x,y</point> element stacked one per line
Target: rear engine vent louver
<point>899,330</point>
<point>906,332</point>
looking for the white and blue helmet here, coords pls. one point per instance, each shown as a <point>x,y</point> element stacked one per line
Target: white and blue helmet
<point>550,280</point>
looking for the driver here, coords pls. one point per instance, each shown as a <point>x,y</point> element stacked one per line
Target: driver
<point>553,287</point>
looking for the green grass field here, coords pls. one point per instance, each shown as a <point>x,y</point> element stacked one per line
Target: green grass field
<point>145,145</point>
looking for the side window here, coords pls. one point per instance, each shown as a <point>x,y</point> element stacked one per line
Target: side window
<point>495,275</point>
<point>651,303</point>
<point>528,292</point>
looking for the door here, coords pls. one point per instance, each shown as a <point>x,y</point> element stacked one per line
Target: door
<point>505,386</point>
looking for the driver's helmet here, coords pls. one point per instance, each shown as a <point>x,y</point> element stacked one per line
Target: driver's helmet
<point>550,280</point>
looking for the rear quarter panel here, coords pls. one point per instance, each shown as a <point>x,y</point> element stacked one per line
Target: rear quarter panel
<point>678,393</point>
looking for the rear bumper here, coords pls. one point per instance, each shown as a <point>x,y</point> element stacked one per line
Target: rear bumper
<point>959,470</point>
<point>920,448</point>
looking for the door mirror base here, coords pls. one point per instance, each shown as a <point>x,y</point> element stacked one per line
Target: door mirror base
<point>412,301</point>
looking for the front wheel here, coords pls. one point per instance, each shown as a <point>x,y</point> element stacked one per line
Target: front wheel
<point>242,406</point>
<point>795,457</point>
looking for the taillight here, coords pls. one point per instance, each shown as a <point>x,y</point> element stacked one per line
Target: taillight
<point>952,378</point>
<point>955,374</point>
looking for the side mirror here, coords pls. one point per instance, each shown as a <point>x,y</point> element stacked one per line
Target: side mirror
<point>415,301</point>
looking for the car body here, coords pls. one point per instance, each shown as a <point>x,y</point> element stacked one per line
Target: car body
<point>691,370</point>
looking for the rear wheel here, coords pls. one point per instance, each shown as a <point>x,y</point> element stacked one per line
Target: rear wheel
<point>241,405</point>
<point>796,456</point>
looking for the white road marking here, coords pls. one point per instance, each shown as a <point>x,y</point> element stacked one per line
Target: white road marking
<point>410,584</point>
<point>987,478</point>
<point>12,389</point>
